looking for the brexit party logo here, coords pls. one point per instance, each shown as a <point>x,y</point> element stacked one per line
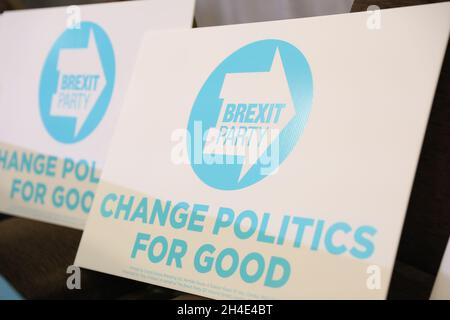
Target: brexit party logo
<point>77,83</point>
<point>249,114</point>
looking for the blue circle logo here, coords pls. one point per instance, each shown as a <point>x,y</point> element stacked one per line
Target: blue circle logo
<point>77,83</point>
<point>249,114</point>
